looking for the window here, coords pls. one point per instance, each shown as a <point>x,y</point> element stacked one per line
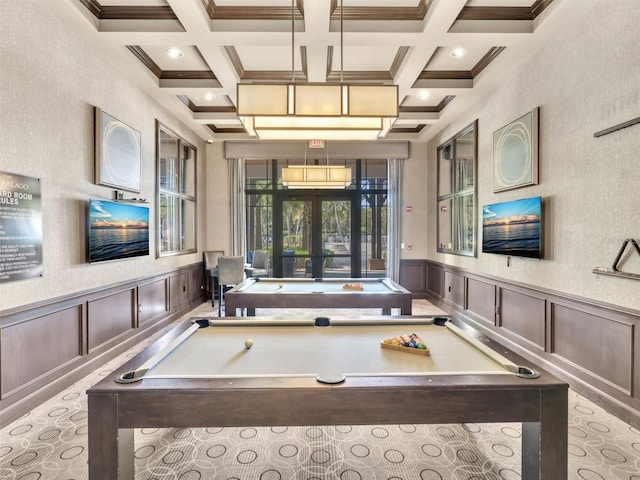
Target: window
<point>344,231</point>
<point>259,204</point>
<point>374,204</point>
<point>176,203</point>
<point>457,193</point>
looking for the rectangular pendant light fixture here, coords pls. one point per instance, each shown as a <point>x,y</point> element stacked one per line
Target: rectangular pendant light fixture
<point>318,111</point>
<point>316,176</point>
<point>322,111</point>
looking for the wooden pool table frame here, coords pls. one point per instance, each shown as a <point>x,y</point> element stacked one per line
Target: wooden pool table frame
<point>396,297</point>
<point>115,409</point>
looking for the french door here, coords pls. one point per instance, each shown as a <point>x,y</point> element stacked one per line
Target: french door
<point>315,235</point>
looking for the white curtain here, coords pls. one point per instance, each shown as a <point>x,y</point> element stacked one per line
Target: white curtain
<point>394,216</point>
<point>238,211</point>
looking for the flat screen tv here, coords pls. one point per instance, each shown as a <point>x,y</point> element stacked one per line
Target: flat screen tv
<point>117,230</point>
<point>513,228</point>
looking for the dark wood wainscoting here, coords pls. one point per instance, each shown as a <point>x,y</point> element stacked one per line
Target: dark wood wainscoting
<point>47,346</point>
<point>594,347</point>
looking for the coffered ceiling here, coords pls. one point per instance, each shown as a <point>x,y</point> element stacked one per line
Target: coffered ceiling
<point>404,42</point>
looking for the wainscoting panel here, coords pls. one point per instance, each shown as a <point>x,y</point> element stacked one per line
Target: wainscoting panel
<point>481,300</point>
<point>523,315</point>
<point>110,317</point>
<point>454,288</point>
<point>412,276</point>
<point>598,345</point>
<point>48,345</point>
<point>178,290</point>
<point>27,353</point>
<point>594,347</point>
<point>435,280</point>
<point>636,364</point>
<point>198,283</point>
<point>152,301</point>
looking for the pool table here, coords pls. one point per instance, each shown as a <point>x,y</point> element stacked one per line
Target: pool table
<point>323,293</point>
<point>305,372</point>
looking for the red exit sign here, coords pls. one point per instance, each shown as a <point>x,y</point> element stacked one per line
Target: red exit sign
<point>316,143</point>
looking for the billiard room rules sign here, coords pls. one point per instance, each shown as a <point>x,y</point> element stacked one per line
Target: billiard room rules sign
<point>20,227</point>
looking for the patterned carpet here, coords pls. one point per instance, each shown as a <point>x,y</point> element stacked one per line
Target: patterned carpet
<point>51,443</point>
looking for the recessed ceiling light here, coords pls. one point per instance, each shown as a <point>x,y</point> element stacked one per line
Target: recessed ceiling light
<point>458,52</point>
<point>423,95</point>
<point>175,53</point>
<point>209,96</point>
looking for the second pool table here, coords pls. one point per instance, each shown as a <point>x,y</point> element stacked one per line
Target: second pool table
<point>322,293</point>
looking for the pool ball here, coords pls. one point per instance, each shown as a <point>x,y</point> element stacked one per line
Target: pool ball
<point>248,343</point>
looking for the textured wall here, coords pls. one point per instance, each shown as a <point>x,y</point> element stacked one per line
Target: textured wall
<point>585,80</point>
<point>414,223</point>
<point>218,200</point>
<point>49,82</point>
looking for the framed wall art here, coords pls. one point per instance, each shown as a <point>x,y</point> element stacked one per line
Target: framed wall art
<point>515,153</point>
<point>118,153</point>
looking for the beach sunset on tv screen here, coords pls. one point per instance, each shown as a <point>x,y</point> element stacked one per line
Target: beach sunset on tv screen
<point>117,230</point>
<point>513,228</point>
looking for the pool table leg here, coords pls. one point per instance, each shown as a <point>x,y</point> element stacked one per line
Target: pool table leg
<point>126,448</point>
<point>530,450</point>
<point>111,448</point>
<point>545,443</point>
<point>405,306</point>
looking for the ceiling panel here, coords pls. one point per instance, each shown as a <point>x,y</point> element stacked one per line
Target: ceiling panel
<point>133,3</point>
<point>364,58</point>
<point>500,3</point>
<point>402,42</point>
<point>192,60</point>
<point>443,60</point>
<point>268,57</point>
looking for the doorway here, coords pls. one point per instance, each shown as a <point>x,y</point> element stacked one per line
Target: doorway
<point>313,232</point>
<point>314,235</point>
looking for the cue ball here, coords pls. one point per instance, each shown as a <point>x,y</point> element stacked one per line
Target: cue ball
<point>248,343</point>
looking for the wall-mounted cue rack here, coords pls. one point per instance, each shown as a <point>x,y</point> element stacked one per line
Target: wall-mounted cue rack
<point>615,128</point>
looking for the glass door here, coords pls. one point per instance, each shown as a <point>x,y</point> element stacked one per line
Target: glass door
<point>314,235</point>
<point>295,237</point>
<point>334,253</point>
